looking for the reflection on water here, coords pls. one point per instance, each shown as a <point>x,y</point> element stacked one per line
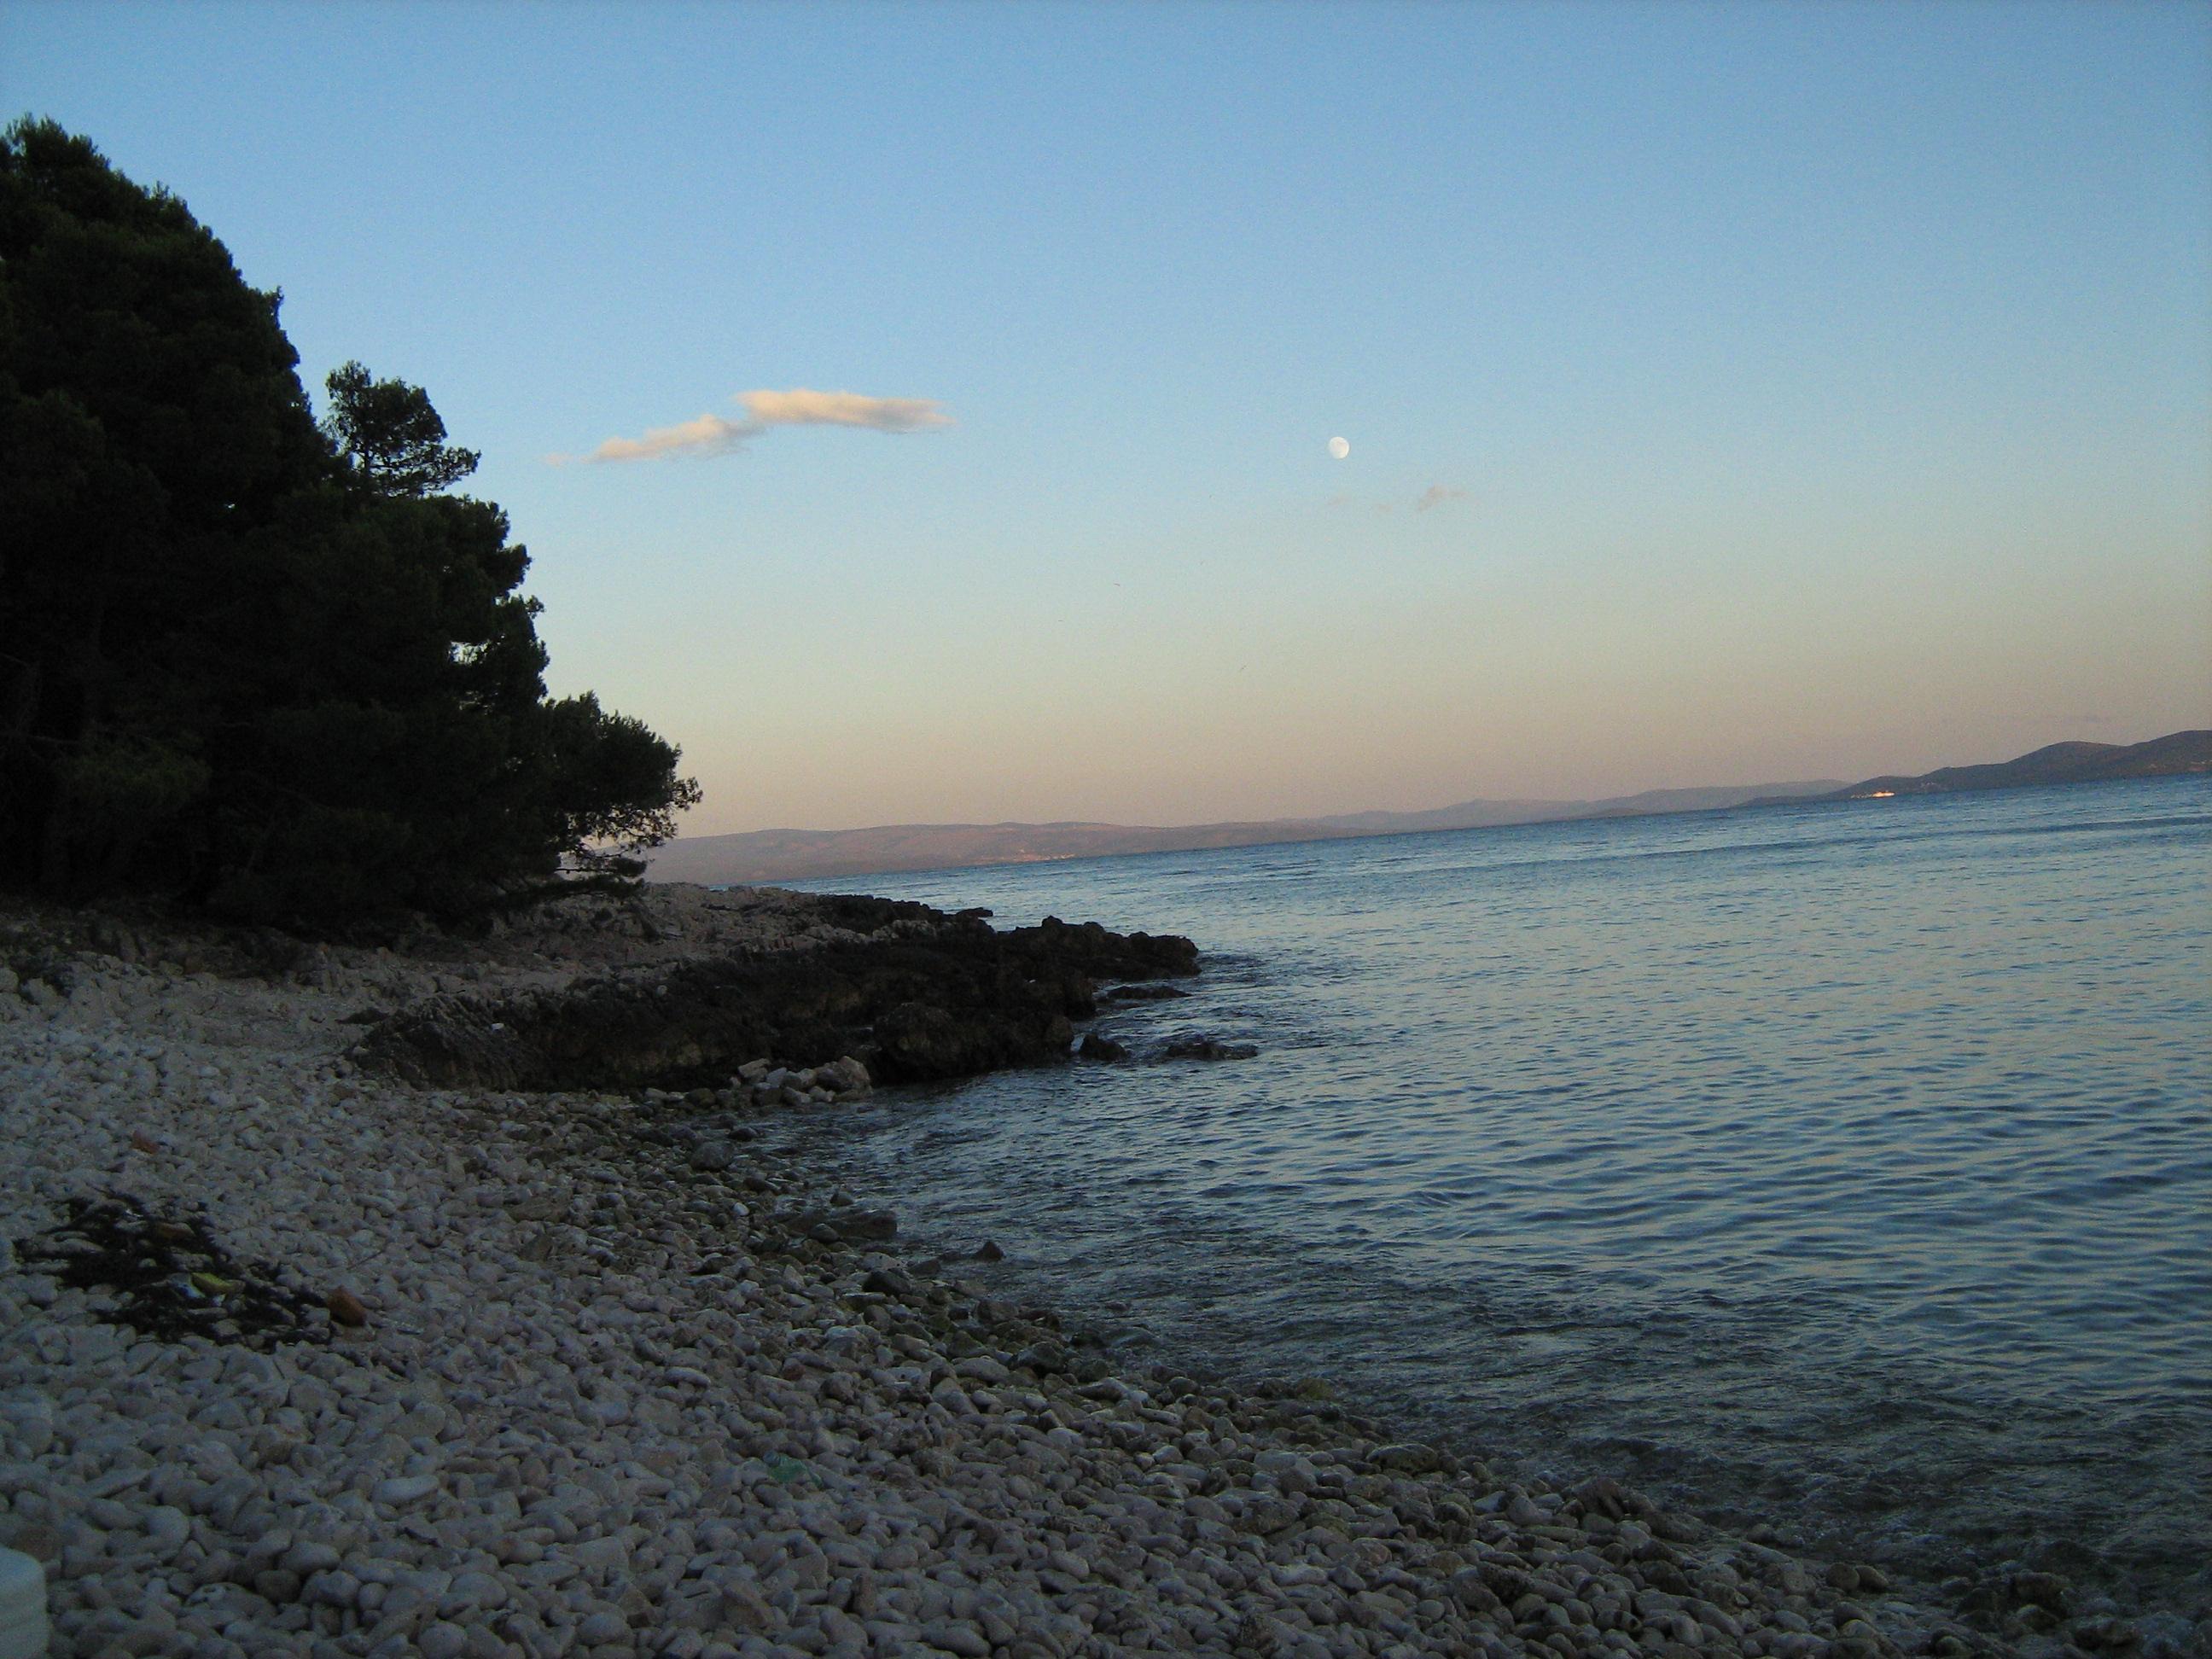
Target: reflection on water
<point>1847,1167</point>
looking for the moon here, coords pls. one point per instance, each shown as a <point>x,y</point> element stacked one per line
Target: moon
<point>1338,448</point>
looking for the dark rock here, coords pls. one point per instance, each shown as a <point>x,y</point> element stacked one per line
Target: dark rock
<point>845,1226</point>
<point>1045,1359</point>
<point>923,1042</point>
<point>713,1155</point>
<point>1603,1495</point>
<point>2106,1632</point>
<point>988,1251</point>
<point>931,996</point>
<point>1141,993</point>
<point>1405,1458</point>
<point>1197,1045</point>
<point>843,1076</point>
<point>2040,1590</point>
<point>1472,1590</point>
<point>1101,1048</point>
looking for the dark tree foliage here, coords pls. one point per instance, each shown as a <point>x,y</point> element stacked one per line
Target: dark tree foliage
<point>391,436</point>
<point>252,662</point>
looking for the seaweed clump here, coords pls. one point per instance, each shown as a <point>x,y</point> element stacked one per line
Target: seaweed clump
<point>170,1278</point>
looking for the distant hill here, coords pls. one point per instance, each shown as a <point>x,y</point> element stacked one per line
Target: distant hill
<point>807,854</point>
<point>770,855</point>
<point>2059,763</point>
<point>1483,814</point>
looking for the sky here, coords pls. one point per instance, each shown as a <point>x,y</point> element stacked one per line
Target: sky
<point>922,413</point>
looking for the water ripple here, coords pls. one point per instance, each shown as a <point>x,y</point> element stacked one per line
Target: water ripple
<point>1855,1156</point>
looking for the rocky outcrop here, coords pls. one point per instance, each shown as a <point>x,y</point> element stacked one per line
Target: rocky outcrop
<point>923,996</point>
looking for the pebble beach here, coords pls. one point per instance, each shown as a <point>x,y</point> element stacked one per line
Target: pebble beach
<point>467,1372</point>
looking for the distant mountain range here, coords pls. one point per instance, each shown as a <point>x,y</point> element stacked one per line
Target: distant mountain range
<point>769,856</point>
<point>803,854</point>
<point>2061,763</point>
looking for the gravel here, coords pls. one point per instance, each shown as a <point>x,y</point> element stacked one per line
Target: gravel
<point>626,1384</point>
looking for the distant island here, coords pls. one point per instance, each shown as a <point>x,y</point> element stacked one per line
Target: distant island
<point>2176,753</point>
<point>773,855</point>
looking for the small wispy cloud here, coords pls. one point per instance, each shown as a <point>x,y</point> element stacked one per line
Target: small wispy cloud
<point>800,407</point>
<point>1434,495</point>
<point>721,434</point>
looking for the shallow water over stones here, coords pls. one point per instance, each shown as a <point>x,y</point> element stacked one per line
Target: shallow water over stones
<point>1846,1163</point>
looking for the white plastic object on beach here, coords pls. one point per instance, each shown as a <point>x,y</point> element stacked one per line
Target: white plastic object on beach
<point>22,1606</point>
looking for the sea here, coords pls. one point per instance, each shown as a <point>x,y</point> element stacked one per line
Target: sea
<point>1841,1170</point>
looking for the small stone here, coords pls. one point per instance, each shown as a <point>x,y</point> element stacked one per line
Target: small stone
<point>309,1557</point>
<point>1637,1540</point>
<point>604,1626</point>
<point>166,1529</point>
<point>442,1641</point>
<point>1404,1458</point>
<point>404,1489</point>
<point>346,1308</point>
<point>713,1155</point>
<point>962,1639</point>
<point>2041,1590</point>
<point>333,1589</point>
<point>471,1590</point>
<point>601,1554</point>
<point>277,1586</point>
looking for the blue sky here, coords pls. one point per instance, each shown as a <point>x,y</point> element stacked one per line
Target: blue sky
<point>1830,387</point>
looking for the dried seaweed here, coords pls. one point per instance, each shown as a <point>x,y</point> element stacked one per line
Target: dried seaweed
<point>169,1277</point>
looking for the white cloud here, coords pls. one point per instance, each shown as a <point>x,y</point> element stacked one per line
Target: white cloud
<point>800,407</point>
<point>718,434</point>
<point>710,435</point>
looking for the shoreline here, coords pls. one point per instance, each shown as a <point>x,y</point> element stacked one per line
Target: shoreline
<point>630,1382</point>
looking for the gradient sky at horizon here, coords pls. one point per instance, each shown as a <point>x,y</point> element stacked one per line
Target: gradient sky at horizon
<point>1830,386</point>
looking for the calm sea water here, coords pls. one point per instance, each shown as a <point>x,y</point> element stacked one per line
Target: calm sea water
<point>1845,1168</point>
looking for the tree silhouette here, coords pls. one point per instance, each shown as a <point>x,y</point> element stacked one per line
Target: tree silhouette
<point>251,662</point>
<point>388,434</point>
